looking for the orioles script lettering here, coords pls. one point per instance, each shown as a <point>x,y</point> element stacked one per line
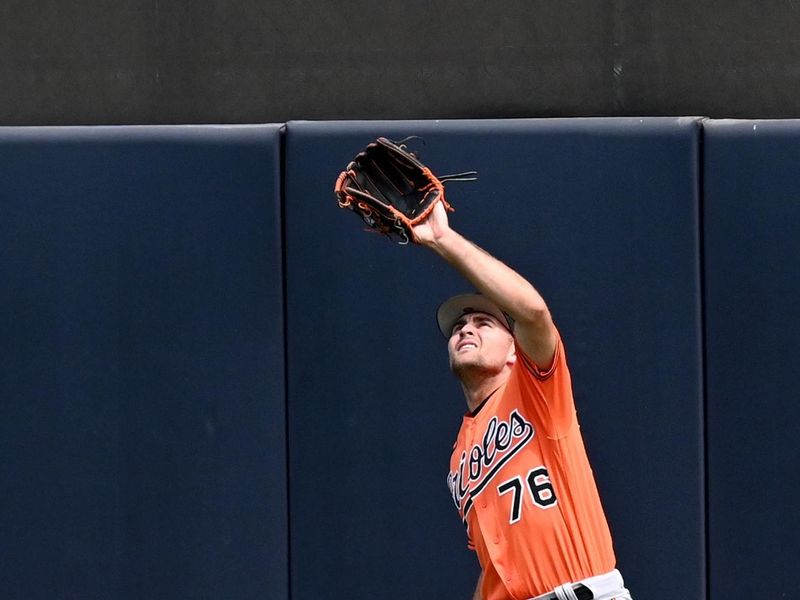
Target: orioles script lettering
<point>501,440</point>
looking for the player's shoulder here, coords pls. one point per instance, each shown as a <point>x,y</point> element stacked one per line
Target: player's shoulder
<point>526,366</point>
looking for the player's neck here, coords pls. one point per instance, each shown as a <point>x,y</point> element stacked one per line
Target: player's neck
<point>478,389</point>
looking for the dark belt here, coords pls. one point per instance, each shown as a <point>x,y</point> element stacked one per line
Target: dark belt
<point>581,591</point>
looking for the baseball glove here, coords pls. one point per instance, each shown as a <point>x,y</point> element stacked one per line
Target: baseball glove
<point>391,190</point>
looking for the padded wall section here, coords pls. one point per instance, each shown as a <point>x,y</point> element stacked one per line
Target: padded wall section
<point>752,274</point>
<point>602,215</point>
<point>142,415</point>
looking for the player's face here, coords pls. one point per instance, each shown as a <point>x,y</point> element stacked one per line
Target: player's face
<point>480,342</point>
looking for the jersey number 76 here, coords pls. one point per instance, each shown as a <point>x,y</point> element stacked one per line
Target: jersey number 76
<point>539,487</point>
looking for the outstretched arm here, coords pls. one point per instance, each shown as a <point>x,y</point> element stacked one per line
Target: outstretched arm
<point>534,329</point>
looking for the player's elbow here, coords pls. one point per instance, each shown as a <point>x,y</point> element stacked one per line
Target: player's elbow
<point>536,316</point>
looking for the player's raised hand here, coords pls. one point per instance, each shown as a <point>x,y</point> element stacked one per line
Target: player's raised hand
<point>432,229</point>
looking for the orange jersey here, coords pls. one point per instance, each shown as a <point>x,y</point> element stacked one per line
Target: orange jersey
<point>522,484</point>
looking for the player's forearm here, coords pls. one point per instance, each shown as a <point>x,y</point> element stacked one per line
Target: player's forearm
<point>534,330</point>
<point>512,292</point>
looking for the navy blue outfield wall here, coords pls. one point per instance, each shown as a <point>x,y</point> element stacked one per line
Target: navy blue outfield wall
<point>752,275</point>
<point>143,405</point>
<point>602,215</point>
<point>141,378</point>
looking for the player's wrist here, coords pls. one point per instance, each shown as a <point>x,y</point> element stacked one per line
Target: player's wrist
<point>444,241</point>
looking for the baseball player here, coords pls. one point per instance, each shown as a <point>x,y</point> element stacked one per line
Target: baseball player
<point>519,475</point>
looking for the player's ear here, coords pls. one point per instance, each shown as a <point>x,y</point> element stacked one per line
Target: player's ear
<point>512,354</point>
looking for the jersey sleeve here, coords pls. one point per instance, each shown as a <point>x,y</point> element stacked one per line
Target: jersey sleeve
<point>548,392</point>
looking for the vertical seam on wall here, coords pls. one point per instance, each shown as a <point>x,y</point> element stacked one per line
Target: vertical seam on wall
<point>703,349</point>
<point>285,307</point>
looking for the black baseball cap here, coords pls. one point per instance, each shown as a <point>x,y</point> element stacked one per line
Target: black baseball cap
<point>452,309</point>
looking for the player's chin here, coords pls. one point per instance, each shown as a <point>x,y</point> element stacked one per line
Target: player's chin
<point>460,364</point>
